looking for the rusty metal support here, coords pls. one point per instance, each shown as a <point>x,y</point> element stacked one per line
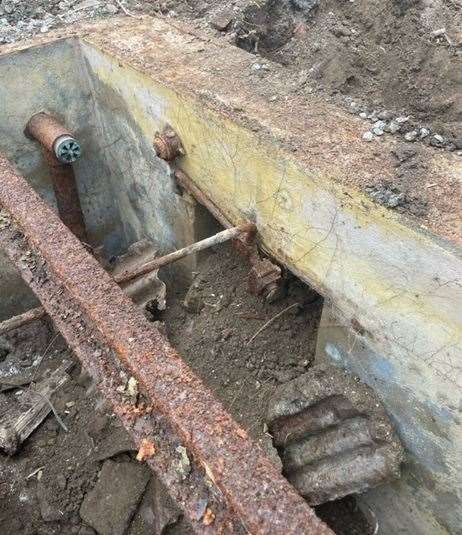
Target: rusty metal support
<point>247,229</point>
<point>232,486</point>
<point>60,150</point>
<point>264,277</point>
<point>157,263</point>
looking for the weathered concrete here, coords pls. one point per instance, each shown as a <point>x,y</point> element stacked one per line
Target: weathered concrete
<point>300,179</point>
<point>429,428</point>
<point>44,78</point>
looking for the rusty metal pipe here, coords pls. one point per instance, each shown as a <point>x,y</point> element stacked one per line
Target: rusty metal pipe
<point>107,331</point>
<point>54,137</point>
<point>149,266</point>
<point>60,150</point>
<point>157,263</point>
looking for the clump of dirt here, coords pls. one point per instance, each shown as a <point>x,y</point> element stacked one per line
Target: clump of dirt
<point>221,341</point>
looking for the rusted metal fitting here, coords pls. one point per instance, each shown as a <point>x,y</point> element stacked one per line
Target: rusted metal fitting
<point>54,137</point>
<point>168,145</point>
<point>264,278</point>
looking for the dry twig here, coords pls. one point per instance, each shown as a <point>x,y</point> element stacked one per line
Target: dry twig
<point>270,321</point>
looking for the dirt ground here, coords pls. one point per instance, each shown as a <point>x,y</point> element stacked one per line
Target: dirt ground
<point>392,57</point>
<point>44,485</point>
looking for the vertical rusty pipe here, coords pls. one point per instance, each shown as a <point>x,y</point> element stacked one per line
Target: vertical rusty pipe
<point>61,149</point>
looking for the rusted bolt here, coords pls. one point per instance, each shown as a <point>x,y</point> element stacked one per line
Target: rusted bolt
<point>264,278</point>
<point>168,145</point>
<point>54,137</point>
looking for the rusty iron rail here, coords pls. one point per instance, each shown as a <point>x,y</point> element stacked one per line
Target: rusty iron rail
<point>232,486</point>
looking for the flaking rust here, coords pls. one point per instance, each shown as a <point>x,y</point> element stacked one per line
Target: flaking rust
<point>97,318</point>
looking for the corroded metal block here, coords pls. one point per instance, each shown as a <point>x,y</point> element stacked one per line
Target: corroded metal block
<point>333,435</point>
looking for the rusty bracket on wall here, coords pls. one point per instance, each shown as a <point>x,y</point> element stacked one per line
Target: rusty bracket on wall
<point>265,277</point>
<point>230,486</point>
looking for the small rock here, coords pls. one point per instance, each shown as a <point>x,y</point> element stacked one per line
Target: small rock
<point>402,119</point>
<point>363,115</point>
<point>109,507</point>
<point>222,20</point>
<point>184,464</point>
<point>437,141</point>
<point>387,195</point>
<point>378,128</point>
<point>368,136</point>
<point>258,67</point>
<point>111,9</point>
<point>354,108</point>
<point>373,116</point>
<point>411,136</point>
<point>385,115</point>
<point>424,132</point>
<point>193,301</point>
<point>341,31</point>
<point>393,127</point>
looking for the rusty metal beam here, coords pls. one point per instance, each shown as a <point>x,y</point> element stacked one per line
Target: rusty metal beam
<point>109,334</point>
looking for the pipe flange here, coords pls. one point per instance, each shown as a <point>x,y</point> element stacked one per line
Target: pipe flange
<point>67,149</point>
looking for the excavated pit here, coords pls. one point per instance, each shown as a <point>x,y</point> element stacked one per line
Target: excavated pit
<point>375,321</point>
<point>54,482</point>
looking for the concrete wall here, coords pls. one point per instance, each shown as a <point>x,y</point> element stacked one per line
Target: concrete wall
<point>141,188</point>
<point>36,79</point>
<point>397,285</point>
<point>126,192</point>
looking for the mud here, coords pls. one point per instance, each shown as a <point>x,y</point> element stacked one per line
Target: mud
<point>214,341</point>
<point>401,55</point>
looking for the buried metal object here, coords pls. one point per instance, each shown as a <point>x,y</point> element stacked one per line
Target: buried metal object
<point>54,137</point>
<point>333,435</point>
<point>232,486</point>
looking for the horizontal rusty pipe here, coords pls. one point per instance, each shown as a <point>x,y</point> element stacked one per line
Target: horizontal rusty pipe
<point>54,137</point>
<point>157,263</point>
<point>60,150</point>
<point>109,333</point>
<point>137,271</point>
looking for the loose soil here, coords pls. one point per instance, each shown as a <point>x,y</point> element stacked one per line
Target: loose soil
<point>401,55</point>
<point>214,339</point>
